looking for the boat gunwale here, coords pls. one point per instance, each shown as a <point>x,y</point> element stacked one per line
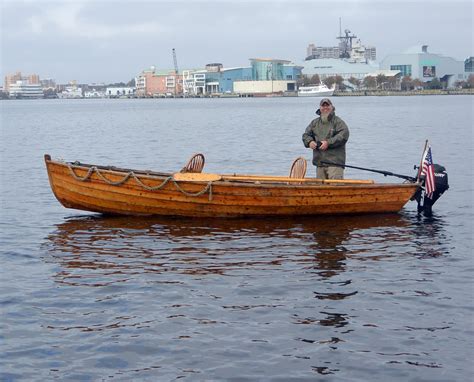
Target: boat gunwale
<point>254,181</point>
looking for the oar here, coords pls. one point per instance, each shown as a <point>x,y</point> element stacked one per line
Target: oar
<point>385,173</point>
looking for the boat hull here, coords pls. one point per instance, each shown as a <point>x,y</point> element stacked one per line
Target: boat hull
<point>328,93</point>
<point>253,196</point>
<point>315,91</point>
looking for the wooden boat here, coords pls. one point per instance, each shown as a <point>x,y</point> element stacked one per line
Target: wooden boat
<point>117,191</point>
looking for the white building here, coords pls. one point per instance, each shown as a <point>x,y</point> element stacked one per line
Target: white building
<point>194,82</point>
<point>71,92</point>
<point>264,86</point>
<point>23,89</point>
<point>418,63</point>
<point>331,67</point>
<point>116,92</point>
<point>94,94</point>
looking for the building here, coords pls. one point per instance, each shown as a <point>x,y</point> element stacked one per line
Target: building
<point>332,67</point>
<point>48,83</point>
<point>214,79</point>
<point>117,92</point>
<point>70,91</point>
<point>262,76</point>
<point>265,69</point>
<point>320,52</point>
<point>468,66</point>
<point>190,82</point>
<point>392,79</point>
<point>23,89</point>
<point>158,83</point>
<point>418,63</point>
<point>10,79</point>
<point>269,76</point>
<point>94,93</point>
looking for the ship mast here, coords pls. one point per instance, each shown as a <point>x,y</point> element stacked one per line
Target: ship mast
<point>345,45</point>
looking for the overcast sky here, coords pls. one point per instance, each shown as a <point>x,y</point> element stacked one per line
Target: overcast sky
<point>113,41</point>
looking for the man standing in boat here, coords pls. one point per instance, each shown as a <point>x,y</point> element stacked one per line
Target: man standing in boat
<point>327,137</point>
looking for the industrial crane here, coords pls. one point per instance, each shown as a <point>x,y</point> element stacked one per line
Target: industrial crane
<point>176,73</point>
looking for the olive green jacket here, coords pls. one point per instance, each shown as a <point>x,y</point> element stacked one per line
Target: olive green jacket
<point>335,132</point>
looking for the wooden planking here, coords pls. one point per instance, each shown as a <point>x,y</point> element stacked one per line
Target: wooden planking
<point>268,194</point>
<point>196,177</point>
<point>227,194</point>
<point>153,181</point>
<point>159,180</point>
<point>83,201</point>
<point>122,203</point>
<point>229,199</point>
<point>193,187</point>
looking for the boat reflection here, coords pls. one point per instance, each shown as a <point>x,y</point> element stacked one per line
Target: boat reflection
<point>120,247</point>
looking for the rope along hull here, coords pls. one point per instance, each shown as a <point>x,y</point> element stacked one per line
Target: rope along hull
<point>129,192</point>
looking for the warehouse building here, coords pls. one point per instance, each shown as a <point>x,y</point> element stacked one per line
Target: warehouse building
<point>418,63</point>
<point>263,76</point>
<point>331,67</point>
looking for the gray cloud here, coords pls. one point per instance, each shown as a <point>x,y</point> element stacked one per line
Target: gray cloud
<point>114,40</point>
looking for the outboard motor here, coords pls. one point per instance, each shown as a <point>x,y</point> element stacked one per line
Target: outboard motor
<point>425,204</point>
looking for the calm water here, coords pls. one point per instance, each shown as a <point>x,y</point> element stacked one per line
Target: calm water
<point>83,297</point>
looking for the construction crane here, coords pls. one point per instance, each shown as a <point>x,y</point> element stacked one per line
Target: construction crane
<point>176,71</point>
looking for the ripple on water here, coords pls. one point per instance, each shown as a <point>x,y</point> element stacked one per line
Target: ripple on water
<point>382,297</point>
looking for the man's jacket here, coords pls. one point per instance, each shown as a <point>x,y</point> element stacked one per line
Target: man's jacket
<point>335,132</point>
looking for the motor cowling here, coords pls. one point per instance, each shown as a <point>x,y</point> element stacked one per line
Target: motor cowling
<point>425,204</point>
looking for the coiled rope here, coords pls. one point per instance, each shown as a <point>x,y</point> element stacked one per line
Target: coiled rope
<point>133,176</point>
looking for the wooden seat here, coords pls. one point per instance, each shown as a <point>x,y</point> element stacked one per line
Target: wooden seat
<point>298,168</point>
<point>195,164</point>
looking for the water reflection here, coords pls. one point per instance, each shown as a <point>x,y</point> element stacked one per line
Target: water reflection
<point>330,252</point>
<point>189,279</point>
<point>431,238</point>
<point>113,249</point>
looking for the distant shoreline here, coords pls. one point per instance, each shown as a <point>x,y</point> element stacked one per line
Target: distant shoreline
<point>379,93</point>
<point>358,93</point>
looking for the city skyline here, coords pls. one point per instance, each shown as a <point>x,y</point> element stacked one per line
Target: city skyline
<point>113,41</point>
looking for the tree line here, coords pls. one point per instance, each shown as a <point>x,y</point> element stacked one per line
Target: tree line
<point>382,82</point>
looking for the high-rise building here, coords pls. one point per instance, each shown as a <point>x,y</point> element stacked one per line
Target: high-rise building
<point>11,79</point>
<point>33,79</point>
<point>319,52</point>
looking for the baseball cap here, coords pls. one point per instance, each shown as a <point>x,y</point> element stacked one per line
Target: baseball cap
<point>325,100</point>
